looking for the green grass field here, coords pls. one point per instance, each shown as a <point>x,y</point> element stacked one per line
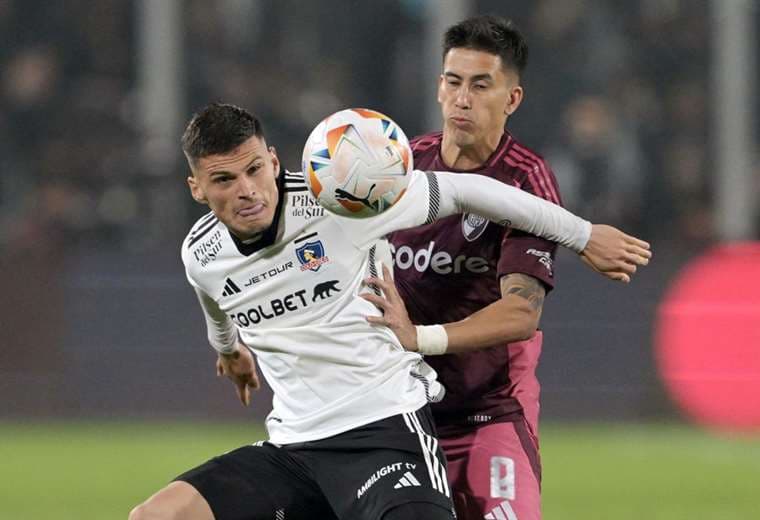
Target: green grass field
<point>611,472</point>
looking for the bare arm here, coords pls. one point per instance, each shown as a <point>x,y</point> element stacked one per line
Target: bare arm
<point>514,317</point>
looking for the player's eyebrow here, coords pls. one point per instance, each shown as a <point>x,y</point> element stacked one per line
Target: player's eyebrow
<point>477,77</point>
<point>226,172</point>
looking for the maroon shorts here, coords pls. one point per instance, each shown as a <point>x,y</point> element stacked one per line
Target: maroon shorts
<point>495,472</point>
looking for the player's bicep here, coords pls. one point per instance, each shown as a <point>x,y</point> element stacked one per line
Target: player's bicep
<point>524,286</point>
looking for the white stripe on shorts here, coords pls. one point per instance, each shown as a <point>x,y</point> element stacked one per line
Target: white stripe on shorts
<point>438,468</point>
<point>428,444</point>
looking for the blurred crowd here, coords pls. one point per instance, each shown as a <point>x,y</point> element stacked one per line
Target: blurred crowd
<point>66,139</point>
<point>618,100</point>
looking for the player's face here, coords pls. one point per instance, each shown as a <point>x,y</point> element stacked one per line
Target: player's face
<point>240,186</point>
<point>477,95</point>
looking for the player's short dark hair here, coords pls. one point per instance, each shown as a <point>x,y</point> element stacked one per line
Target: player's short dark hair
<point>491,34</point>
<point>217,129</point>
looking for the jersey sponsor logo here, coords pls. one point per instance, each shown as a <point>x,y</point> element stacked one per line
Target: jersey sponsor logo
<point>544,258</point>
<point>288,303</point>
<point>323,290</point>
<point>269,273</point>
<point>473,226</point>
<point>305,206</point>
<point>207,251</point>
<point>230,288</point>
<point>312,255</point>
<point>440,262</point>
<point>382,472</point>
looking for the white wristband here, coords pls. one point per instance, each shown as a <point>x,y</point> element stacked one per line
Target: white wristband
<point>432,340</point>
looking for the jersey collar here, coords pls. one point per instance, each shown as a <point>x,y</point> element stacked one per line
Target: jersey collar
<point>505,143</point>
<point>267,237</point>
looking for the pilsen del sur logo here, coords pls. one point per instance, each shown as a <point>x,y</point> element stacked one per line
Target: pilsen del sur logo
<point>306,206</point>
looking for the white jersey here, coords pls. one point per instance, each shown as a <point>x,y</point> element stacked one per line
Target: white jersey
<point>293,297</point>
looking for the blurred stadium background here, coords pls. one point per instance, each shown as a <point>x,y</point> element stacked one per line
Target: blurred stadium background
<point>646,109</point>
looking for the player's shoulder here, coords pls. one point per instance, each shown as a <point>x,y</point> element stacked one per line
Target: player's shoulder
<point>425,142</point>
<point>301,207</point>
<point>202,235</point>
<point>529,169</point>
<point>293,181</point>
<point>202,227</point>
<point>516,154</point>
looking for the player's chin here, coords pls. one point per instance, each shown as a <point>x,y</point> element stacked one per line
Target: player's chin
<point>463,137</point>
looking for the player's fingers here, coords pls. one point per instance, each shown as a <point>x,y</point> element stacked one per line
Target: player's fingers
<point>643,244</point>
<point>254,383</point>
<point>219,368</point>
<point>638,258</point>
<point>618,276</point>
<point>376,283</point>
<point>379,302</point>
<point>625,267</point>
<point>635,258</point>
<point>643,253</point>
<point>377,320</point>
<point>243,393</point>
<point>390,286</point>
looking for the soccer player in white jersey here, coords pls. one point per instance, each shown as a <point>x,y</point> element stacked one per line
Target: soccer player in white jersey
<point>351,435</point>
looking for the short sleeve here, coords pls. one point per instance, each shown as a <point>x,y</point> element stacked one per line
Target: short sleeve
<point>527,254</point>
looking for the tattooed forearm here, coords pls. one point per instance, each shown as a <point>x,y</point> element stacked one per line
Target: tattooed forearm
<point>526,287</point>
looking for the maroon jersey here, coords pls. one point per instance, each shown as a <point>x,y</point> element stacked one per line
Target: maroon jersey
<point>451,268</point>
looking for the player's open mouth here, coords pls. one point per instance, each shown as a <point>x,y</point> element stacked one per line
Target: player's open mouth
<point>251,211</point>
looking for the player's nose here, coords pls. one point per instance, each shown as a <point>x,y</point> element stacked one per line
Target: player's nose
<point>463,97</point>
<point>246,186</point>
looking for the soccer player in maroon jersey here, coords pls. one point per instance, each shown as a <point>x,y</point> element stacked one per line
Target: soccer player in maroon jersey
<point>486,283</point>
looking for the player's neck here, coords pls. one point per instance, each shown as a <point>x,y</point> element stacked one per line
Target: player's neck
<point>467,157</point>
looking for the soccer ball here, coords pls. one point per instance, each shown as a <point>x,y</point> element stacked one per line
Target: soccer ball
<point>357,163</point>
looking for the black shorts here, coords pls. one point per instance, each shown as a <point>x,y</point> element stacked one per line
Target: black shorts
<point>358,475</point>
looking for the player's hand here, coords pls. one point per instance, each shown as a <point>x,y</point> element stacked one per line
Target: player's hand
<point>240,368</point>
<point>395,316</point>
<point>614,254</point>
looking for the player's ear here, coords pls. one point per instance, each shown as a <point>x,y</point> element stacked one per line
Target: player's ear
<point>275,161</point>
<point>195,190</point>
<point>441,85</point>
<point>516,95</point>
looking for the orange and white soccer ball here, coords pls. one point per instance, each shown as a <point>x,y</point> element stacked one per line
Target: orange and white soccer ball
<point>357,163</point>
